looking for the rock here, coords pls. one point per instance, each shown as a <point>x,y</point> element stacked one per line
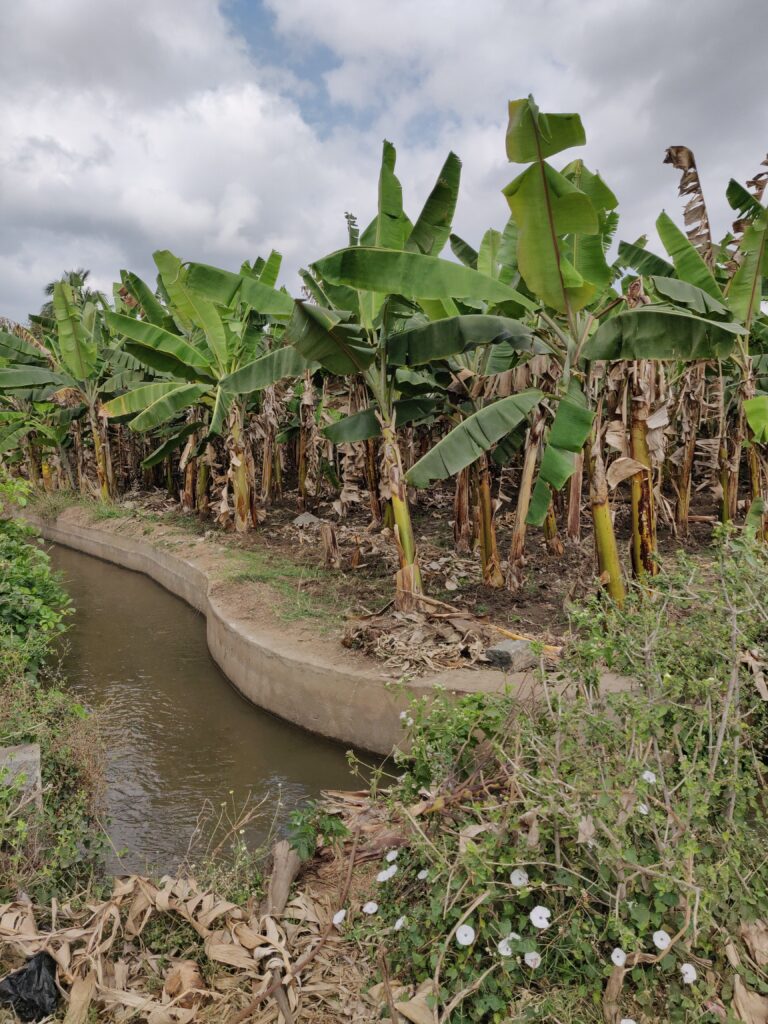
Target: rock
<point>512,655</point>
<point>306,519</point>
<point>23,760</point>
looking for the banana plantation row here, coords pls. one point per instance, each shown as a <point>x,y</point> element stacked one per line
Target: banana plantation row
<point>536,356</point>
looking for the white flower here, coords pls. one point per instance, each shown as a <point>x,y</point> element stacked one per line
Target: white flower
<point>422,874</point>
<point>649,777</point>
<point>688,972</point>
<point>661,939</point>
<point>339,916</point>
<point>533,960</point>
<point>504,947</point>
<point>519,878</point>
<point>642,808</point>
<point>619,957</point>
<point>392,855</point>
<point>383,876</point>
<point>409,722</point>
<point>399,923</point>
<point>627,1020</point>
<point>540,917</point>
<point>403,715</point>
<point>465,935</point>
<point>370,907</point>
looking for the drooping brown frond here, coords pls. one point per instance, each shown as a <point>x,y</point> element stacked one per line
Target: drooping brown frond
<point>695,214</point>
<point>757,186</point>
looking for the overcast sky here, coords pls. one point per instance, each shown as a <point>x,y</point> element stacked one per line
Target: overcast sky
<point>223,128</point>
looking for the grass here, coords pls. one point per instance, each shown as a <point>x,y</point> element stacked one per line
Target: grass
<point>288,580</point>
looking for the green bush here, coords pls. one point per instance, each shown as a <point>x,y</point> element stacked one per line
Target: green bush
<point>621,815</point>
<point>53,852</point>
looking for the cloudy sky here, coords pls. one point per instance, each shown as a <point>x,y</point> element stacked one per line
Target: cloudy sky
<point>223,128</point>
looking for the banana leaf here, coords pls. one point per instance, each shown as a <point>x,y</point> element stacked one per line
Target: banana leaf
<point>639,259</point>
<point>756,411</point>
<point>473,436</point>
<point>152,308</point>
<point>688,262</point>
<point>325,336</point>
<point>224,288</point>
<point>167,405</point>
<point>79,352</point>
<point>149,336</point>
<point>570,429</point>
<point>433,225</point>
<point>443,338</point>
<point>264,371</point>
<point>176,439</point>
<point>413,275</point>
<point>661,332</point>
<point>546,206</point>
<point>533,136</point>
<point>362,425</point>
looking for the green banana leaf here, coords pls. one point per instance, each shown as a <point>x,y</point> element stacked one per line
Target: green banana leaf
<point>362,425</point>
<point>140,398</point>
<point>79,352</point>
<point>390,227</point>
<point>152,308</point>
<point>167,405</point>
<point>413,275</point>
<point>30,377</point>
<point>19,350</point>
<point>546,206</point>
<point>150,337</point>
<point>684,294</point>
<point>264,371</point>
<point>475,435</point>
<point>746,286</point>
<point>570,429</point>
<point>688,262</point>
<point>533,136</point>
<point>224,288</point>
<point>464,252</point>
<point>326,337</point>
<point>433,225</point>
<point>271,269</point>
<point>639,259</point>
<point>191,308</point>
<point>756,411</point>
<point>661,332</point>
<point>443,338</point>
<point>176,439</point>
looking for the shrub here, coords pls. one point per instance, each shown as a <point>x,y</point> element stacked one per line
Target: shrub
<point>623,816</point>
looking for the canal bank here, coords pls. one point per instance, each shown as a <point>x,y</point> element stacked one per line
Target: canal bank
<point>287,670</point>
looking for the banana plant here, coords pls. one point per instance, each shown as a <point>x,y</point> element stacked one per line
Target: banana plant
<point>210,354</point>
<point>730,286</point>
<point>75,365</point>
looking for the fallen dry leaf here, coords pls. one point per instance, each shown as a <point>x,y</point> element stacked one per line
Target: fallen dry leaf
<point>748,1006</point>
<point>185,981</point>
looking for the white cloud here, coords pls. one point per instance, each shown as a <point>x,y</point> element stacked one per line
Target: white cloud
<point>126,129</point>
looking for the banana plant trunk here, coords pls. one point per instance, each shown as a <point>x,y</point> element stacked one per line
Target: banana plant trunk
<point>515,572</point>
<point>101,457</point>
<point>409,587</point>
<point>462,517</point>
<point>240,469</point>
<point>551,534</point>
<point>608,562</point>
<point>691,406</point>
<point>489,552</point>
<point>644,550</point>
<point>573,525</point>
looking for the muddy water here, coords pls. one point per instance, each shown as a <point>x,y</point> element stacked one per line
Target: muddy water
<point>177,734</point>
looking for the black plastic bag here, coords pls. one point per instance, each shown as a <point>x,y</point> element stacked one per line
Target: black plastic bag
<point>31,990</point>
